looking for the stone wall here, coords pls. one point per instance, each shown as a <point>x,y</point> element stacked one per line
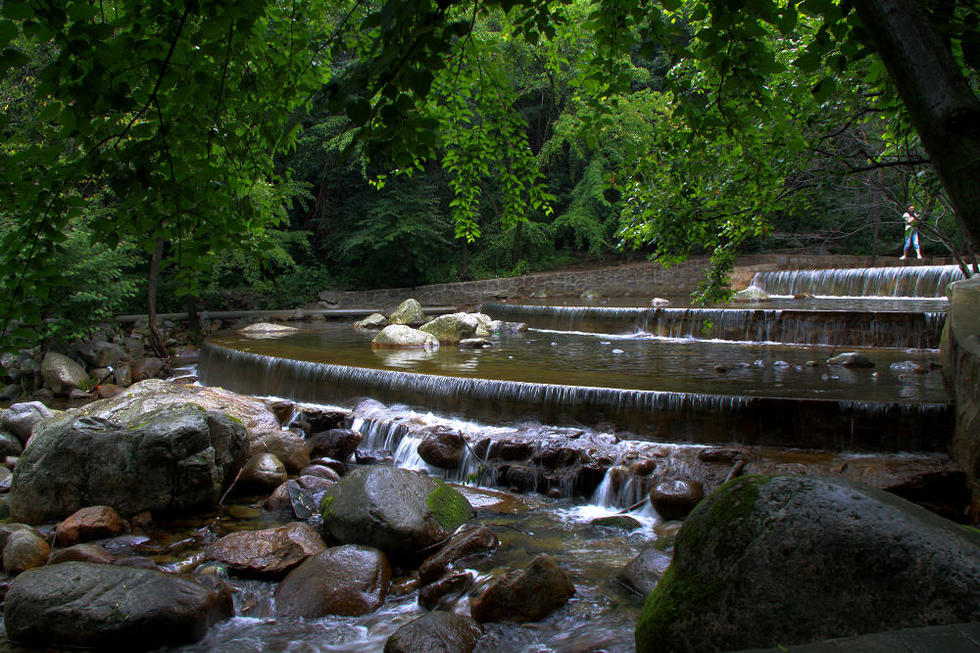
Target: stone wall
<point>961,371</point>
<point>636,280</point>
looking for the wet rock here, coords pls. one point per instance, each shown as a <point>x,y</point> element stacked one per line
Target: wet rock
<point>316,484</point>
<point>338,444</point>
<point>524,595</point>
<point>724,456</point>
<point>320,471</point>
<point>436,631</point>
<point>374,457</point>
<point>90,523</point>
<point>79,604</point>
<point>620,522</point>
<point>186,355</point>
<point>147,368</point>
<point>400,336</point>
<point>675,499</point>
<point>330,463</point>
<point>271,552</point>
<point>20,418</point>
<point>480,540</point>
<point>399,511</point>
<point>81,553</point>
<point>314,420</point>
<point>176,460</point>
<point>283,409</point>
<point>24,550</point>
<point>136,562</point>
<point>452,328</point>
<point>288,447</point>
<point>442,448</point>
<point>763,546</point>
<point>261,473</point>
<point>851,359</point>
<point>346,580</point>
<point>62,374</point>
<point>266,328</point>
<point>643,572</point>
<point>750,294</point>
<point>409,313</point>
<point>444,590</point>
<point>372,321</point>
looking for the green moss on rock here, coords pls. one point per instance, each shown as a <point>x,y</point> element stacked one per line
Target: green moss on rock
<point>448,507</point>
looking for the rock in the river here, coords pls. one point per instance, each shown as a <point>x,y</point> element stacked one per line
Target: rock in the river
<point>851,359</point>
<point>451,328</point>
<point>675,499</point>
<point>176,460</point>
<point>644,571</point>
<point>262,473</point>
<point>264,328</point>
<point>444,590</point>
<point>659,302</point>
<point>24,550</point>
<point>399,511</point>
<point>345,580</point>
<point>89,523</point>
<point>400,336</point>
<point>80,604</point>
<point>81,553</point>
<point>271,552</point>
<point>408,313</point>
<point>790,559</point>
<point>475,343</point>
<point>524,595</point>
<point>335,443</point>
<point>62,374</point>
<point>373,321</point>
<point>442,448</point>
<point>20,418</point>
<point>443,632</point>
<point>470,542</point>
<point>751,294</point>
<point>290,448</point>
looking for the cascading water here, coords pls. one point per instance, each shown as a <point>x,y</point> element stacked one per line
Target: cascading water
<point>904,281</point>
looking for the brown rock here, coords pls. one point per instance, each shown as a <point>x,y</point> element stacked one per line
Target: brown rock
<point>89,523</point>
<point>445,632</point>
<point>675,499</point>
<point>81,553</point>
<point>287,446</point>
<point>279,502</point>
<point>443,448</point>
<point>348,580</point>
<point>335,443</point>
<point>107,390</point>
<point>25,550</point>
<point>315,483</point>
<point>321,471</point>
<point>270,552</point>
<point>147,368</point>
<point>282,408</point>
<point>476,540</point>
<point>335,465</point>
<point>261,473</point>
<point>524,595</point>
<point>452,585</point>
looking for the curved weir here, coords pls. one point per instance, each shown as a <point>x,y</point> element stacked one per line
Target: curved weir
<point>904,281</point>
<point>649,414</point>
<point>919,330</point>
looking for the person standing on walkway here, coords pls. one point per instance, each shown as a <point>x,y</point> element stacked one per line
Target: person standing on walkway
<point>911,233</point>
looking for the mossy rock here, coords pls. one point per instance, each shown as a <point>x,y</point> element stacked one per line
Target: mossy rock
<point>784,560</point>
<point>449,507</point>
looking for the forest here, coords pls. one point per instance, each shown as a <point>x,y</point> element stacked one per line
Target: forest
<point>164,154</point>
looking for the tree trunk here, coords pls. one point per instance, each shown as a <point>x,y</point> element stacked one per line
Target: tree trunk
<point>156,340</point>
<point>944,110</point>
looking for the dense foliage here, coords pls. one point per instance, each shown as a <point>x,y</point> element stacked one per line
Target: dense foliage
<point>285,146</point>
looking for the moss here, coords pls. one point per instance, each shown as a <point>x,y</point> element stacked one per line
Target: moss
<point>972,529</point>
<point>326,506</point>
<point>670,599</point>
<point>448,507</point>
<point>730,503</point>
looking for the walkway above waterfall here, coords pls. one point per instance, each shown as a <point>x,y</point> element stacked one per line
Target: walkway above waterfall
<point>956,638</point>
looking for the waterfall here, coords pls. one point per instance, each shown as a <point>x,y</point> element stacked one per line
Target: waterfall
<point>904,281</point>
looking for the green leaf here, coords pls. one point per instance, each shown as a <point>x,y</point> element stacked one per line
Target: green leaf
<point>17,10</point>
<point>358,110</point>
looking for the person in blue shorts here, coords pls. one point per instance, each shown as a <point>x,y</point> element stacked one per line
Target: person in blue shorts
<point>911,233</point>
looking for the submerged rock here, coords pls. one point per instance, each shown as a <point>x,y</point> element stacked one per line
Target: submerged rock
<point>397,335</point>
<point>524,595</point>
<point>399,511</point>
<point>344,580</point>
<point>80,604</point>
<point>408,313</point>
<point>789,559</point>
<point>445,632</point>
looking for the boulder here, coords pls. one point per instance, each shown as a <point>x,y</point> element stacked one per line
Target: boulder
<point>271,552</point>
<point>344,580</point>
<point>851,359</point>
<point>338,444</point>
<point>262,473</point>
<point>675,499</point>
<point>90,523</point>
<point>288,447</point>
<point>175,460</point>
<point>644,571</point>
<point>81,553</point>
<point>399,511</point>
<point>478,540</point>
<point>751,294</point>
<point>398,336</point>
<point>373,321</point>
<point>451,328</point>
<point>408,313</point>
<point>80,604</point>
<point>24,550</point>
<point>524,595</point>
<point>62,374</point>
<point>20,418</point>
<point>147,368</point>
<point>445,632</point>
<point>442,448</point>
<point>789,559</point>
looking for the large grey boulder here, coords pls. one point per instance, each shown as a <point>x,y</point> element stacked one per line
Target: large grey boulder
<point>452,328</point>
<point>83,604</point>
<point>20,418</point>
<point>789,559</point>
<point>409,313</point>
<point>400,336</point>
<point>174,460</point>
<point>62,374</point>
<point>399,511</point>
